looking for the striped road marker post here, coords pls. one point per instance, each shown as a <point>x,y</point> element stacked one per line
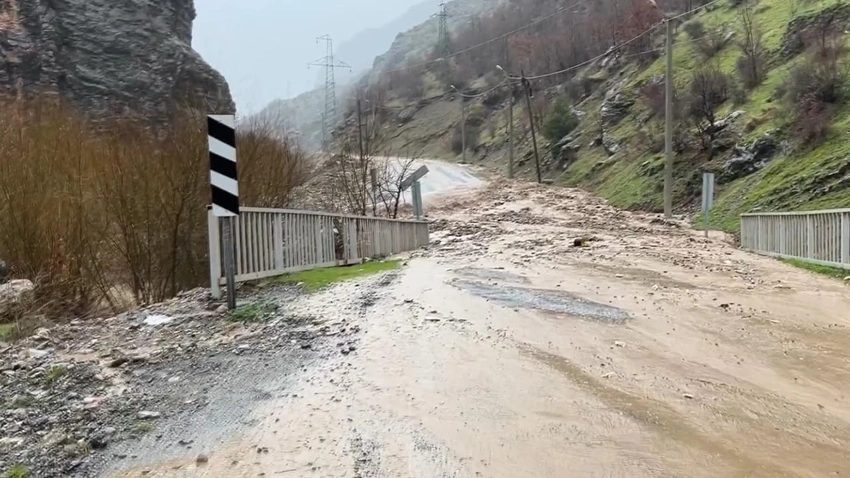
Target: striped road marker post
<point>221,130</point>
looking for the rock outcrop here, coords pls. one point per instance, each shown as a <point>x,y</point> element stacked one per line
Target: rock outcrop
<point>749,159</point>
<point>128,58</point>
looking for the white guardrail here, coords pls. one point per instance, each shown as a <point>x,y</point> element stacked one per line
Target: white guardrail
<point>271,242</point>
<point>819,237</point>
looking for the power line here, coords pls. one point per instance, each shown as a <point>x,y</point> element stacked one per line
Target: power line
<point>500,37</point>
<point>479,95</point>
<point>627,42</point>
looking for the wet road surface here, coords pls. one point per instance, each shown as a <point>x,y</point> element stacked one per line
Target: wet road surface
<point>504,351</point>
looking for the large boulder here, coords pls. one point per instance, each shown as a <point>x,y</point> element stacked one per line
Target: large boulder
<point>610,144</point>
<point>615,108</point>
<point>109,58</point>
<point>14,293</point>
<point>751,158</point>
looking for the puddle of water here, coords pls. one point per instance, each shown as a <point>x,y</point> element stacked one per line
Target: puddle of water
<point>548,300</point>
<point>491,274</point>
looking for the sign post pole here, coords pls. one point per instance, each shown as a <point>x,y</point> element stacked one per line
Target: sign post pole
<point>707,198</point>
<point>225,191</point>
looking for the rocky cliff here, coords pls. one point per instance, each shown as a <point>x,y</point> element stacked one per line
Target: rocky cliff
<point>109,57</point>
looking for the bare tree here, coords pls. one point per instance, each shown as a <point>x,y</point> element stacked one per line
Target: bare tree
<point>709,88</point>
<point>390,178</point>
<point>752,65</point>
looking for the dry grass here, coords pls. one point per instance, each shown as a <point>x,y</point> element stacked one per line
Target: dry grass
<point>97,217</point>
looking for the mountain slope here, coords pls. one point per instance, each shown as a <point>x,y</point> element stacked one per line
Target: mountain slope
<point>418,36</point>
<point>759,152</point>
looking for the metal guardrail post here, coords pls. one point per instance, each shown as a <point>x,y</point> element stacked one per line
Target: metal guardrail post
<point>845,238</point>
<point>215,253</point>
<point>810,237</point>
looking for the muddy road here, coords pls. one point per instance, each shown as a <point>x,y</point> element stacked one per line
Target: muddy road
<point>506,351</point>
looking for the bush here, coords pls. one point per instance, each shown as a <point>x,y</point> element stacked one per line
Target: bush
<point>708,90</point>
<point>96,217</point>
<point>752,64</point>
<point>472,136</point>
<point>560,121</point>
<point>815,90</point>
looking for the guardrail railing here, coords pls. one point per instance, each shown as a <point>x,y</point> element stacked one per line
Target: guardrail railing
<point>271,242</point>
<point>819,237</point>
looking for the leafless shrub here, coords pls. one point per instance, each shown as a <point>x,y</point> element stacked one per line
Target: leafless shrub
<point>95,217</point>
<point>752,64</point>
<point>708,90</point>
<point>815,91</point>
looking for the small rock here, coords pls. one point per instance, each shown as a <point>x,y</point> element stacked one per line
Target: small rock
<point>688,396</point>
<point>148,415</point>
<point>201,459</point>
<point>617,343</point>
<point>222,309</point>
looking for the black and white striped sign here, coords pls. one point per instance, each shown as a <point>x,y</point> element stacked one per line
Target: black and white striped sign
<point>225,188</point>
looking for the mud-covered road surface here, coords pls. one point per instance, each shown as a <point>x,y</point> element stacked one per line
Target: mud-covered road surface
<point>505,351</point>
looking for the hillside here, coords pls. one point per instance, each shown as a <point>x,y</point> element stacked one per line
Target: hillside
<point>414,43</point>
<point>775,141</point>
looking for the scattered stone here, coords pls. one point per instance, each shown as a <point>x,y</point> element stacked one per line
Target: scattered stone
<point>202,459</point>
<point>148,415</point>
<point>157,319</point>
<point>689,396</point>
<point>14,293</point>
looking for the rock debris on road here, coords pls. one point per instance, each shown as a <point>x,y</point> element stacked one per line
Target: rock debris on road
<point>543,333</point>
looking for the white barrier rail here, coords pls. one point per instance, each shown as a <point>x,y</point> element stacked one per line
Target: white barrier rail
<point>271,242</point>
<point>818,237</point>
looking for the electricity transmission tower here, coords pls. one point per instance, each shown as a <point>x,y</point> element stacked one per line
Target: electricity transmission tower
<point>443,37</point>
<point>329,117</point>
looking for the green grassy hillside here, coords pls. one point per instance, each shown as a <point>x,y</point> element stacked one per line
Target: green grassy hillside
<point>800,176</point>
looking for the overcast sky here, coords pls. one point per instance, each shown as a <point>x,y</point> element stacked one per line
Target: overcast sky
<point>262,47</point>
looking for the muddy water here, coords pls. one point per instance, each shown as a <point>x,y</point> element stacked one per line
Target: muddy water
<point>546,300</point>
<point>648,354</point>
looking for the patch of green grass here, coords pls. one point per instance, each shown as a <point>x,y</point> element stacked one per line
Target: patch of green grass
<point>834,272</point>
<point>56,372</point>
<point>144,427</point>
<point>7,332</point>
<point>17,471</point>
<point>319,278</point>
<point>251,313</point>
<point>22,401</point>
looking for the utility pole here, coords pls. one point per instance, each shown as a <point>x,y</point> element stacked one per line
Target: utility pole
<point>512,90</point>
<point>668,131</point>
<point>528,95</point>
<point>462,125</point>
<point>511,134</point>
<point>363,168</point>
<point>329,64</point>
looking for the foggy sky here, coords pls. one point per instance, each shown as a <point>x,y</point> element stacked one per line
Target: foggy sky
<point>262,47</point>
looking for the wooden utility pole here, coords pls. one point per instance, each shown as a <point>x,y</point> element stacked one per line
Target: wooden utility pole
<point>510,108</point>
<point>511,134</point>
<point>462,125</point>
<point>363,168</point>
<point>668,131</point>
<point>527,86</point>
